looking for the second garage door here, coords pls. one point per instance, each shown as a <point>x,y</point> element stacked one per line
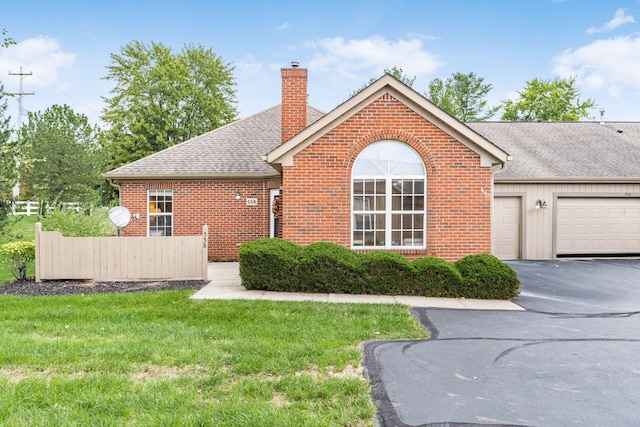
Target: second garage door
<point>598,226</point>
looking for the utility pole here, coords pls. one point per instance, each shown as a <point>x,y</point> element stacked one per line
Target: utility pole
<point>21,94</point>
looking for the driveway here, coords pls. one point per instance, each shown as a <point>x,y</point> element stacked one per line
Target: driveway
<point>573,358</point>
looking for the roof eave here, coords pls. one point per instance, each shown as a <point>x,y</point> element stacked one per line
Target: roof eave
<point>575,180</point>
<point>191,177</point>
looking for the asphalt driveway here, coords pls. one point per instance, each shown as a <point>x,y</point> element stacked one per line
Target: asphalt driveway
<point>573,358</point>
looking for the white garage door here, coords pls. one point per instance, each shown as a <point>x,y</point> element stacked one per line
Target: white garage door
<point>598,226</point>
<point>506,227</point>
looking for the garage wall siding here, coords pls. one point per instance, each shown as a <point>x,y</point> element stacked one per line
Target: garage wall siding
<point>538,227</point>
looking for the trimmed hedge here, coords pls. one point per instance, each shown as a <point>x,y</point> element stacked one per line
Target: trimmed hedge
<point>269,264</point>
<point>329,268</point>
<point>436,277</point>
<point>324,267</point>
<point>387,273</point>
<point>486,277</point>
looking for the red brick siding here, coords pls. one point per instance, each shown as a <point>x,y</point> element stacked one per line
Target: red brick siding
<point>294,101</point>
<point>196,203</point>
<point>317,188</point>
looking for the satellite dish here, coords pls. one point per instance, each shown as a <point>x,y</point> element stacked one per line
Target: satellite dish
<point>119,216</point>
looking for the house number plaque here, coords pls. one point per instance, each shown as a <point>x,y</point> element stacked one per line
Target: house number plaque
<point>252,201</point>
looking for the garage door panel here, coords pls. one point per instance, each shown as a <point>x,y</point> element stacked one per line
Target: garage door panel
<point>506,227</point>
<point>597,226</point>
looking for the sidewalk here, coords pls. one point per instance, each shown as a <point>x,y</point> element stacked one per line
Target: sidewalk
<point>226,284</point>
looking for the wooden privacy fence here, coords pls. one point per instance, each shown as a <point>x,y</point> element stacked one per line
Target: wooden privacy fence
<point>120,258</point>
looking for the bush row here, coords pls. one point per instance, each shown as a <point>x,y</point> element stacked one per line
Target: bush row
<point>323,267</point>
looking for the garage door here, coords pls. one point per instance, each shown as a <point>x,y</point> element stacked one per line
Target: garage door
<point>598,226</point>
<point>506,227</point>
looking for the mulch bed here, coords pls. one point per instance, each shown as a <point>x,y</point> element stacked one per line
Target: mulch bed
<point>81,287</point>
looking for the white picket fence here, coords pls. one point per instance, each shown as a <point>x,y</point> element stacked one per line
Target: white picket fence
<point>29,208</point>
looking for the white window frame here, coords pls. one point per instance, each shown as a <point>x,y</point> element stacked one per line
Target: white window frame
<point>388,211</point>
<point>162,192</point>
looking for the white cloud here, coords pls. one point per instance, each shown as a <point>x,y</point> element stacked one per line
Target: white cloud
<point>619,19</point>
<point>350,57</point>
<point>611,64</point>
<point>43,56</point>
<point>284,26</point>
<point>249,66</point>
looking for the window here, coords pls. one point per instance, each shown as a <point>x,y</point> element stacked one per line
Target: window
<point>388,185</point>
<point>160,209</point>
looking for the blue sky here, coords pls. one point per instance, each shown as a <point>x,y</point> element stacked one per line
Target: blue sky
<point>67,46</point>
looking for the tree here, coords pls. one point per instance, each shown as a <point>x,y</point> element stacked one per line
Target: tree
<point>6,41</point>
<point>8,165</point>
<point>162,98</point>
<point>60,156</point>
<point>547,100</point>
<point>463,96</point>
<point>396,72</point>
<point>8,171</point>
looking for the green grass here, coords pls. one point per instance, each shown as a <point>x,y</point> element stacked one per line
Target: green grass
<point>159,358</point>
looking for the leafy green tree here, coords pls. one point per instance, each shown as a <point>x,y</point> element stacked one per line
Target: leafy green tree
<point>548,100</point>
<point>6,41</point>
<point>61,157</point>
<point>162,98</point>
<point>8,170</point>
<point>396,72</point>
<point>463,96</point>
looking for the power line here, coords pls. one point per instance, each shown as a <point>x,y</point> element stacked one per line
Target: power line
<point>21,94</point>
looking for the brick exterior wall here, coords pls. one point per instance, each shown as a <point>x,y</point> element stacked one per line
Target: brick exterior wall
<point>316,189</point>
<point>294,101</point>
<point>196,203</point>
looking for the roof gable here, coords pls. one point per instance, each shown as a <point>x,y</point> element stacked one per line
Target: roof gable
<point>490,154</point>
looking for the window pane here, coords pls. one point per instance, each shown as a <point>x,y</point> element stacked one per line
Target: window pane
<point>380,186</point>
<point>395,238</point>
<point>380,203</point>
<point>419,186</point>
<point>369,186</point>
<point>418,221</point>
<point>380,238</point>
<point>396,186</point>
<point>407,222</point>
<point>396,203</point>
<point>418,203</point>
<point>407,203</point>
<point>358,186</point>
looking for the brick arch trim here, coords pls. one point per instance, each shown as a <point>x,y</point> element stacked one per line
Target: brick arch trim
<point>388,134</point>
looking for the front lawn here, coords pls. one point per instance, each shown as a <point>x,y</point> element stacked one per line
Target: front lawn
<point>159,358</point>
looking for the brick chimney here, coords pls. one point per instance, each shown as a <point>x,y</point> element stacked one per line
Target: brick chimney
<point>294,100</point>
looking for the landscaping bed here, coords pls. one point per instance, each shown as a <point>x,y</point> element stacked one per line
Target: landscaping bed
<point>80,287</point>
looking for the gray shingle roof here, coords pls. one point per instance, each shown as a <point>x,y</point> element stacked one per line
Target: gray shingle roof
<point>571,150</point>
<point>234,150</point>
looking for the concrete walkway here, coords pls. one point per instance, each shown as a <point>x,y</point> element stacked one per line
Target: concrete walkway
<point>225,284</point>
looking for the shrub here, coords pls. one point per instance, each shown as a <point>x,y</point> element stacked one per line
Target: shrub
<point>387,273</point>
<point>435,277</point>
<point>485,276</point>
<point>17,256</point>
<point>269,264</point>
<point>328,267</point>
<point>72,224</point>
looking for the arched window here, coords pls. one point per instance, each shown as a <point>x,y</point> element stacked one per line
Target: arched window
<point>388,197</point>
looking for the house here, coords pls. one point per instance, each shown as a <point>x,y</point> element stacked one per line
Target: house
<point>388,169</point>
